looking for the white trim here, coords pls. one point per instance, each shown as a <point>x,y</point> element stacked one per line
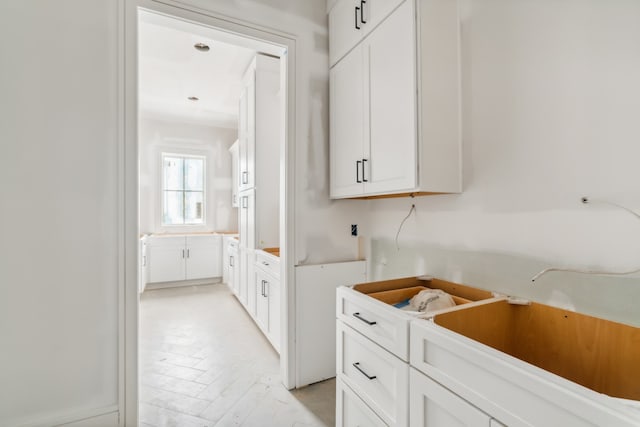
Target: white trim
<point>124,214</point>
<point>129,296</point>
<point>95,417</point>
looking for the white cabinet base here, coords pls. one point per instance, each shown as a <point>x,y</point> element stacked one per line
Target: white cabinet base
<point>432,405</point>
<point>352,411</point>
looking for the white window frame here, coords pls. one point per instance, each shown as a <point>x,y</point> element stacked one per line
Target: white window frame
<point>164,191</point>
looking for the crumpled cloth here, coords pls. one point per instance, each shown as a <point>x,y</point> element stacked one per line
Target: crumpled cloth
<point>431,300</point>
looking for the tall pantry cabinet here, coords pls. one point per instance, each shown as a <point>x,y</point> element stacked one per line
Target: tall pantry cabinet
<point>258,169</point>
<point>394,98</point>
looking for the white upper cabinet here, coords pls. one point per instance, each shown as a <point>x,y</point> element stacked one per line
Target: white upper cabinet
<point>258,122</point>
<point>351,20</point>
<point>347,125</point>
<point>394,104</point>
<point>235,174</point>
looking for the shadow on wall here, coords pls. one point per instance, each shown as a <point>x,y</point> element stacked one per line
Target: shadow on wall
<point>609,297</point>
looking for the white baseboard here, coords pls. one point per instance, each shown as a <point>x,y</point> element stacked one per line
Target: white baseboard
<point>101,417</point>
<point>181,283</point>
<point>104,420</point>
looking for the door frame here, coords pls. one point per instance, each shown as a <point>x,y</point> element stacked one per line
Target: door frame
<point>128,130</point>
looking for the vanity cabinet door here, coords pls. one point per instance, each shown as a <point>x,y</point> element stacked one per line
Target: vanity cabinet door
<point>203,257</point>
<point>166,259</point>
<point>432,405</point>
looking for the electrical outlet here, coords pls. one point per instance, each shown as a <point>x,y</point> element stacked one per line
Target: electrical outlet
<point>354,230</point>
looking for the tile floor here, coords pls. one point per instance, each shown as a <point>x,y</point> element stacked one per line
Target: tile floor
<point>204,363</point>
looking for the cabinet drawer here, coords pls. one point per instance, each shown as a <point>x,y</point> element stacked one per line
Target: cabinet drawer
<point>382,323</point>
<point>351,20</point>
<point>268,263</point>
<point>433,405</point>
<point>380,378</point>
<point>351,411</point>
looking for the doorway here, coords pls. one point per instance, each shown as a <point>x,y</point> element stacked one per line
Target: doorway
<point>247,37</point>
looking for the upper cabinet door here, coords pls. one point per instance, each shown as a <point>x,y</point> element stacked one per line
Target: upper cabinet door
<point>390,158</point>
<point>243,167</point>
<point>246,131</point>
<point>350,21</point>
<point>347,110</point>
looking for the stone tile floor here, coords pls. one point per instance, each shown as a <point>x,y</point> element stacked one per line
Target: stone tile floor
<point>204,363</point>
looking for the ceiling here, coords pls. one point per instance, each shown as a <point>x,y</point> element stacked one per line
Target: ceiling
<point>172,70</point>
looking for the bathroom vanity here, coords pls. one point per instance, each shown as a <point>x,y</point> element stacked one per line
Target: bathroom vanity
<point>491,360</point>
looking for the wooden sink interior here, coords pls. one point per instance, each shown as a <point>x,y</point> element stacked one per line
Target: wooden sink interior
<point>599,354</point>
<point>395,291</point>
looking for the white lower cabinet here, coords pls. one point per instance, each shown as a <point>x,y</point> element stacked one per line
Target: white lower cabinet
<point>244,256</point>
<point>166,259</point>
<point>449,380</point>
<point>232,266</point>
<point>203,257</point>
<point>432,405</point>
<point>352,411</point>
<point>266,285</point>
<point>177,258</point>
<point>379,377</point>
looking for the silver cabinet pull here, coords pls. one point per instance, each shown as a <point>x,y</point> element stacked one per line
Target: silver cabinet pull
<point>357,366</point>
<point>183,253</point>
<point>265,263</point>
<point>245,177</point>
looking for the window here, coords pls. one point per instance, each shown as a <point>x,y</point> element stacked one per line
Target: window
<point>182,189</point>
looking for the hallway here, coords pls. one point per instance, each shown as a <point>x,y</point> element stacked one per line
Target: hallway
<point>203,362</point>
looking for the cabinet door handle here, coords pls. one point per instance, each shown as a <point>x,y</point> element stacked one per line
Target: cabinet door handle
<point>144,260</point>
<point>183,253</point>
<point>265,263</point>
<point>357,366</point>
<point>245,202</point>
<point>362,3</point>
<point>265,287</point>
<point>363,165</point>
<point>368,322</point>
<point>245,177</point>
<point>188,253</point>
<point>358,162</point>
<point>231,261</point>
<point>356,10</point>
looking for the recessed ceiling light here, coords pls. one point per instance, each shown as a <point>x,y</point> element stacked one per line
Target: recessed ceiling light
<point>193,98</point>
<point>201,47</point>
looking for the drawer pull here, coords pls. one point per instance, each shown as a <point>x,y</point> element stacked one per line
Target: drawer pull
<point>368,322</point>
<point>265,263</point>
<point>357,366</point>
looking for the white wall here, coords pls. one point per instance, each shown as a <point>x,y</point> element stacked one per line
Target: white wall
<point>59,271</point>
<point>58,210</point>
<point>551,101</point>
<point>158,136</point>
<point>322,226</point>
